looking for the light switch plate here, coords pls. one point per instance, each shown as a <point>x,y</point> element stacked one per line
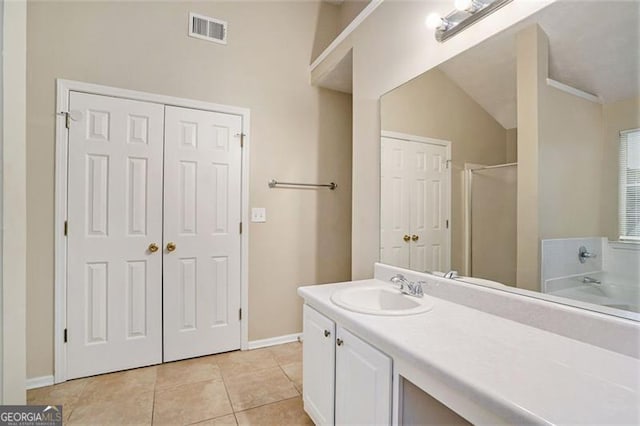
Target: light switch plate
<point>258,214</point>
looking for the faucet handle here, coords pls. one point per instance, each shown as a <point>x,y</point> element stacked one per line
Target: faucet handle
<point>397,277</point>
<point>584,254</point>
<point>451,274</point>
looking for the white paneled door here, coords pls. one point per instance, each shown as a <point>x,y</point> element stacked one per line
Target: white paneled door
<point>414,207</point>
<point>429,198</point>
<point>154,245</point>
<point>202,181</point>
<point>395,190</point>
<point>114,287</point>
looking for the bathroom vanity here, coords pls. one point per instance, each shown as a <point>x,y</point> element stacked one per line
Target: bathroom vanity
<point>446,362</point>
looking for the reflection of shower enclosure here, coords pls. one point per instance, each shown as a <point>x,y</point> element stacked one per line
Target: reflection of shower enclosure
<point>491,215</point>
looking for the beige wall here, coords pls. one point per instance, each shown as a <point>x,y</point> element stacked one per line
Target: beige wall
<point>349,9</point>
<point>299,132</point>
<point>560,149</point>
<point>433,106</point>
<point>570,176</point>
<point>512,145</point>
<point>332,20</point>
<point>622,115</point>
<point>14,204</point>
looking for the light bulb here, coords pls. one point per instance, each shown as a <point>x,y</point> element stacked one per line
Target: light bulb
<point>433,21</point>
<point>463,5</point>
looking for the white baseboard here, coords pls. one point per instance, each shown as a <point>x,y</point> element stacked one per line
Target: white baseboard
<point>263,343</point>
<point>39,382</point>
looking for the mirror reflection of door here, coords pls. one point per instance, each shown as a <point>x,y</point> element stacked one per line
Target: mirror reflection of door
<point>415,199</point>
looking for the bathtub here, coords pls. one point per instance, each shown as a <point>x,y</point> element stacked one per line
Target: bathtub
<point>613,292</point>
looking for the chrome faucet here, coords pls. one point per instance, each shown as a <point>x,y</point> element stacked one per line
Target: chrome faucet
<point>584,254</point>
<point>407,287</point>
<point>589,280</point>
<point>451,274</point>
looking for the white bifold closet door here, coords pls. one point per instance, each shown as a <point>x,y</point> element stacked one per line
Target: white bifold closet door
<point>154,209</point>
<point>114,287</point>
<point>202,183</point>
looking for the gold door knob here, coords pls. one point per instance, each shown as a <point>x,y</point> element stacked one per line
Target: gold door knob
<point>414,237</point>
<point>153,247</point>
<point>406,238</point>
<point>171,246</point>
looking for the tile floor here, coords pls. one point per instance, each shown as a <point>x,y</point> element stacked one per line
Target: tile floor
<point>261,386</point>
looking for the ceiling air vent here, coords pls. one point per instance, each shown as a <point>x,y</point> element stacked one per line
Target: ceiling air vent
<point>207,28</point>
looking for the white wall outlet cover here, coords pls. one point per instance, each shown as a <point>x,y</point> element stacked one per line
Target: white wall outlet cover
<point>258,214</point>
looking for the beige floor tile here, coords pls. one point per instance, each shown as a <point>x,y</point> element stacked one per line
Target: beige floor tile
<point>220,421</point>
<point>51,394</point>
<point>241,362</point>
<point>117,386</point>
<point>191,403</point>
<point>257,388</point>
<point>190,371</point>
<point>65,394</point>
<point>287,353</point>
<point>294,373</point>
<point>136,410</point>
<point>289,412</point>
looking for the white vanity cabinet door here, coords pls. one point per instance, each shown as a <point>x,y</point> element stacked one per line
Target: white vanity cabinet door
<point>318,367</point>
<point>363,382</point>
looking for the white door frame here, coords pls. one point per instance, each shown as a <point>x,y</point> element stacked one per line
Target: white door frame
<point>432,141</point>
<point>63,87</point>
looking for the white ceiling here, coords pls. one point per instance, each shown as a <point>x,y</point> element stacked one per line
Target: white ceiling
<point>594,46</point>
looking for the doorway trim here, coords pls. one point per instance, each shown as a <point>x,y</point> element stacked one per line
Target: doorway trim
<point>449,163</point>
<point>63,89</point>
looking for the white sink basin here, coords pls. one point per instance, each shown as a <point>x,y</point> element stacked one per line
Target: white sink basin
<point>379,300</point>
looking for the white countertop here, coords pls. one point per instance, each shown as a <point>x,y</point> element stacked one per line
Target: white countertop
<point>523,374</point>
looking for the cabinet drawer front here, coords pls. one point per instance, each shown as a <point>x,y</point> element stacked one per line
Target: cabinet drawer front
<point>363,382</point>
<point>318,368</point>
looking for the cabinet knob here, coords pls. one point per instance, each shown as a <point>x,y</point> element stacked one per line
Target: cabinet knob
<point>339,342</point>
<point>327,333</point>
<point>406,238</point>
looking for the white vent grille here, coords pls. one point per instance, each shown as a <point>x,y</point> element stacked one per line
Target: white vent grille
<point>206,28</point>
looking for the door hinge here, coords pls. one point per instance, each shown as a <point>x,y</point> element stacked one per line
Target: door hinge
<point>241,136</point>
<point>66,228</point>
<point>67,119</point>
<point>65,335</point>
<point>240,314</point>
<point>241,227</point>
<point>447,223</point>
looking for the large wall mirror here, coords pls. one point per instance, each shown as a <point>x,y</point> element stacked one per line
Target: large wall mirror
<point>517,163</point>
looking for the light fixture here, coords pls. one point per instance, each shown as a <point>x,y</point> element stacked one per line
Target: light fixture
<point>433,21</point>
<point>467,12</point>
<point>463,5</point>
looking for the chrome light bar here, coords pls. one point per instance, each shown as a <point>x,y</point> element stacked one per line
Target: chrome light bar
<point>458,20</point>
